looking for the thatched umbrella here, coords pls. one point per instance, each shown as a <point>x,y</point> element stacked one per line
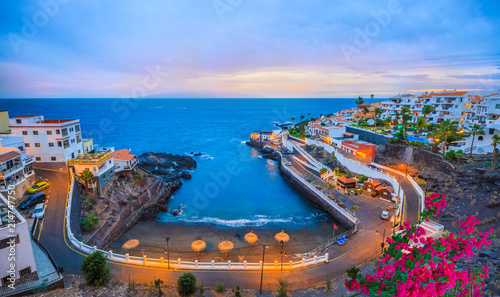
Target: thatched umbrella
<point>251,237</point>
<point>198,245</point>
<point>282,236</point>
<point>131,244</point>
<point>225,246</point>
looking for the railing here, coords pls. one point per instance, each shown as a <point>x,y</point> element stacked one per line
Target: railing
<point>179,264</point>
<point>332,241</point>
<point>28,285</point>
<point>10,170</point>
<point>103,158</point>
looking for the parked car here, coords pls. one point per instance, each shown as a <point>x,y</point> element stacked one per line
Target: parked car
<point>373,167</point>
<point>287,164</point>
<point>32,200</point>
<point>39,210</point>
<point>384,215</point>
<point>40,186</point>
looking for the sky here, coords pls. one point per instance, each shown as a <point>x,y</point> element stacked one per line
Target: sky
<point>245,48</point>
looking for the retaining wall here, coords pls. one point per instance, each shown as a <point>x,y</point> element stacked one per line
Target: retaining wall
<point>369,136</point>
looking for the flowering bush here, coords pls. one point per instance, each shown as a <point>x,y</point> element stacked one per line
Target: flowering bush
<point>415,265</point>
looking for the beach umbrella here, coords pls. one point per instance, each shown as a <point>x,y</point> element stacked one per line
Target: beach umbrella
<point>251,237</point>
<point>282,236</point>
<point>131,244</point>
<point>225,246</point>
<point>198,245</point>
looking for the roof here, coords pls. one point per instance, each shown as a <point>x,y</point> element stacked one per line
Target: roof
<point>477,99</point>
<point>496,94</point>
<point>320,127</point>
<point>451,94</point>
<point>123,155</point>
<point>9,155</point>
<point>349,134</point>
<point>56,121</point>
<point>425,95</point>
<point>346,180</point>
<point>28,116</point>
<point>388,188</point>
<point>375,182</point>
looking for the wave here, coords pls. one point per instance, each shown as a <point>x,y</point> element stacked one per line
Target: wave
<point>257,221</point>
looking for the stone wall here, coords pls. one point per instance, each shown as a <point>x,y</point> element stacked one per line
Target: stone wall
<point>395,154</point>
<point>316,199</point>
<point>21,189</point>
<point>369,136</point>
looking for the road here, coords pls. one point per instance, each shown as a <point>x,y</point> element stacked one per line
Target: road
<point>357,251</point>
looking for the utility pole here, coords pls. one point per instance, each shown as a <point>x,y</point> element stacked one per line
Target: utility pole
<point>262,268</point>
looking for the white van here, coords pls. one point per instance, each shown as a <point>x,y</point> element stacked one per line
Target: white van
<point>39,210</point>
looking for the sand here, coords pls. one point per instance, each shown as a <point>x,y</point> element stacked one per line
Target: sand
<point>152,238</point>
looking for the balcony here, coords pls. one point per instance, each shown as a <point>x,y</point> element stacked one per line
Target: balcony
<point>64,134</point>
<point>66,146</point>
<point>29,160</point>
<point>7,172</point>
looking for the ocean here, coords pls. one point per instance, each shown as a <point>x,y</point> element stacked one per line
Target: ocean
<point>233,186</point>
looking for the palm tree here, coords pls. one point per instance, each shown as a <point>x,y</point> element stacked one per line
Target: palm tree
<point>309,116</point>
<point>445,130</point>
<point>421,123</point>
<point>371,97</point>
<point>406,118</point>
<point>475,130</point>
<point>354,208</point>
<point>359,101</point>
<point>378,111</point>
<point>292,120</point>
<point>365,110</point>
<point>494,140</point>
<point>397,116</point>
<point>427,109</point>
<point>302,118</point>
<point>86,176</point>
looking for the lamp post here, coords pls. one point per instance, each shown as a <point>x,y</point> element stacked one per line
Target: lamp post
<point>382,244</point>
<point>262,268</point>
<point>167,252</point>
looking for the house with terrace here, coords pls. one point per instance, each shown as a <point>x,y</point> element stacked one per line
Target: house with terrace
<point>124,161</point>
<point>102,167</point>
<point>15,165</point>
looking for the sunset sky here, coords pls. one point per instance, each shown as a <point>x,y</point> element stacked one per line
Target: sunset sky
<point>245,48</point>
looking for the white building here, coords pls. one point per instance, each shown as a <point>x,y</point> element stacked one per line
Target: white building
<point>124,160</point>
<point>48,140</point>
<point>100,164</point>
<point>15,244</point>
<point>15,165</point>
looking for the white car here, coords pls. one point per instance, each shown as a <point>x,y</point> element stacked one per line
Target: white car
<point>287,164</point>
<point>39,210</point>
<point>384,215</point>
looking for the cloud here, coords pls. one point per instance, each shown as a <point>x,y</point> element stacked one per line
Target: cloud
<point>488,76</point>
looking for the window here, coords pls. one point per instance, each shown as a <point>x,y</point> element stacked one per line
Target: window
<point>77,128</point>
<point>59,144</point>
<point>25,132</point>
<point>492,131</point>
<point>497,106</point>
<point>5,243</point>
<point>37,145</point>
<point>49,132</point>
<point>20,148</point>
<point>64,132</point>
<point>70,129</point>
<point>72,141</point>
<point>109,161</point>
<point>24,272</point>
<point>51,144</point>
<point>58,131</point>
<point>27,145</point>
<point>18,121</point>
<point>35,132</point>
<point>52,158</point>
<point>38,159</point>
<point>480,138</point>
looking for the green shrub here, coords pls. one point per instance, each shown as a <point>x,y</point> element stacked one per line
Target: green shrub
<point>352,272</point>
<point>451,155</point>
<point>282,287</point>
<point>374,194</point>
<point>323,170</point>
<point>186,284</point>
<point>237,292</point>
<point>219,287</point>
<point>329,286</point>
<point>201,289</point>
<point>94,269</point>
<point>90,222</point>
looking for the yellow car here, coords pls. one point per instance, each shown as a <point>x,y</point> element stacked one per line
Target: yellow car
<point>40,186</point>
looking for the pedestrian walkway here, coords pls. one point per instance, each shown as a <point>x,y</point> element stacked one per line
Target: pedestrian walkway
<point>43,264</point>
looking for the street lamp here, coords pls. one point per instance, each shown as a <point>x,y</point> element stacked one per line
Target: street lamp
<point>383,240</point>
<point>282,243</point>
<point>262,268</point>
<point>167,252</point>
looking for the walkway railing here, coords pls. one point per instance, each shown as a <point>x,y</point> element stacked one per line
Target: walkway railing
<point>179,263</point>
<point>26,286</point>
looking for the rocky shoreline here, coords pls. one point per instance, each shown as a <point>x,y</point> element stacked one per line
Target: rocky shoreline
<point>135,197</point>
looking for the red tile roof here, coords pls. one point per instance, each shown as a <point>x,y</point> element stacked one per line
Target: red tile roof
<point>29,116</point>
<point>9,156</point>
<point>496,94</point>
<point>123,155</point>
<point>346,180</point>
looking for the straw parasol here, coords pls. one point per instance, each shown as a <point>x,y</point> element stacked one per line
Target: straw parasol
<point>251,237</point>
<point>198,245</point>
<point>131,244</point>
<point>282,236</point>
<point>225,246</point>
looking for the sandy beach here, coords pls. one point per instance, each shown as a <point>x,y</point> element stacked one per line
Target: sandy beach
<point>152,235</point>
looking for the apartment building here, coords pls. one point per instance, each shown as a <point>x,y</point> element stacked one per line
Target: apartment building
<point>101,165</point>
<point>49,140</point>
<point>359,148</point>
<point>14,235</point>
<point>16,167</point>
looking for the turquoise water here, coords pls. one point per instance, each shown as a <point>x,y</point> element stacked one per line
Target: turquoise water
<point>232,186</point>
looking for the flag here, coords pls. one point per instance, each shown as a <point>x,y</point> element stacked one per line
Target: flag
<point>335,226</point>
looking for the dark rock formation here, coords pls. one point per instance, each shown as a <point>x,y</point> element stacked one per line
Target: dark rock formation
<point>171,168</point>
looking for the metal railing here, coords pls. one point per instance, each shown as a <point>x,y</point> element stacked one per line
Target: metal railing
<point>10,170</point>
<point>31,284</point>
